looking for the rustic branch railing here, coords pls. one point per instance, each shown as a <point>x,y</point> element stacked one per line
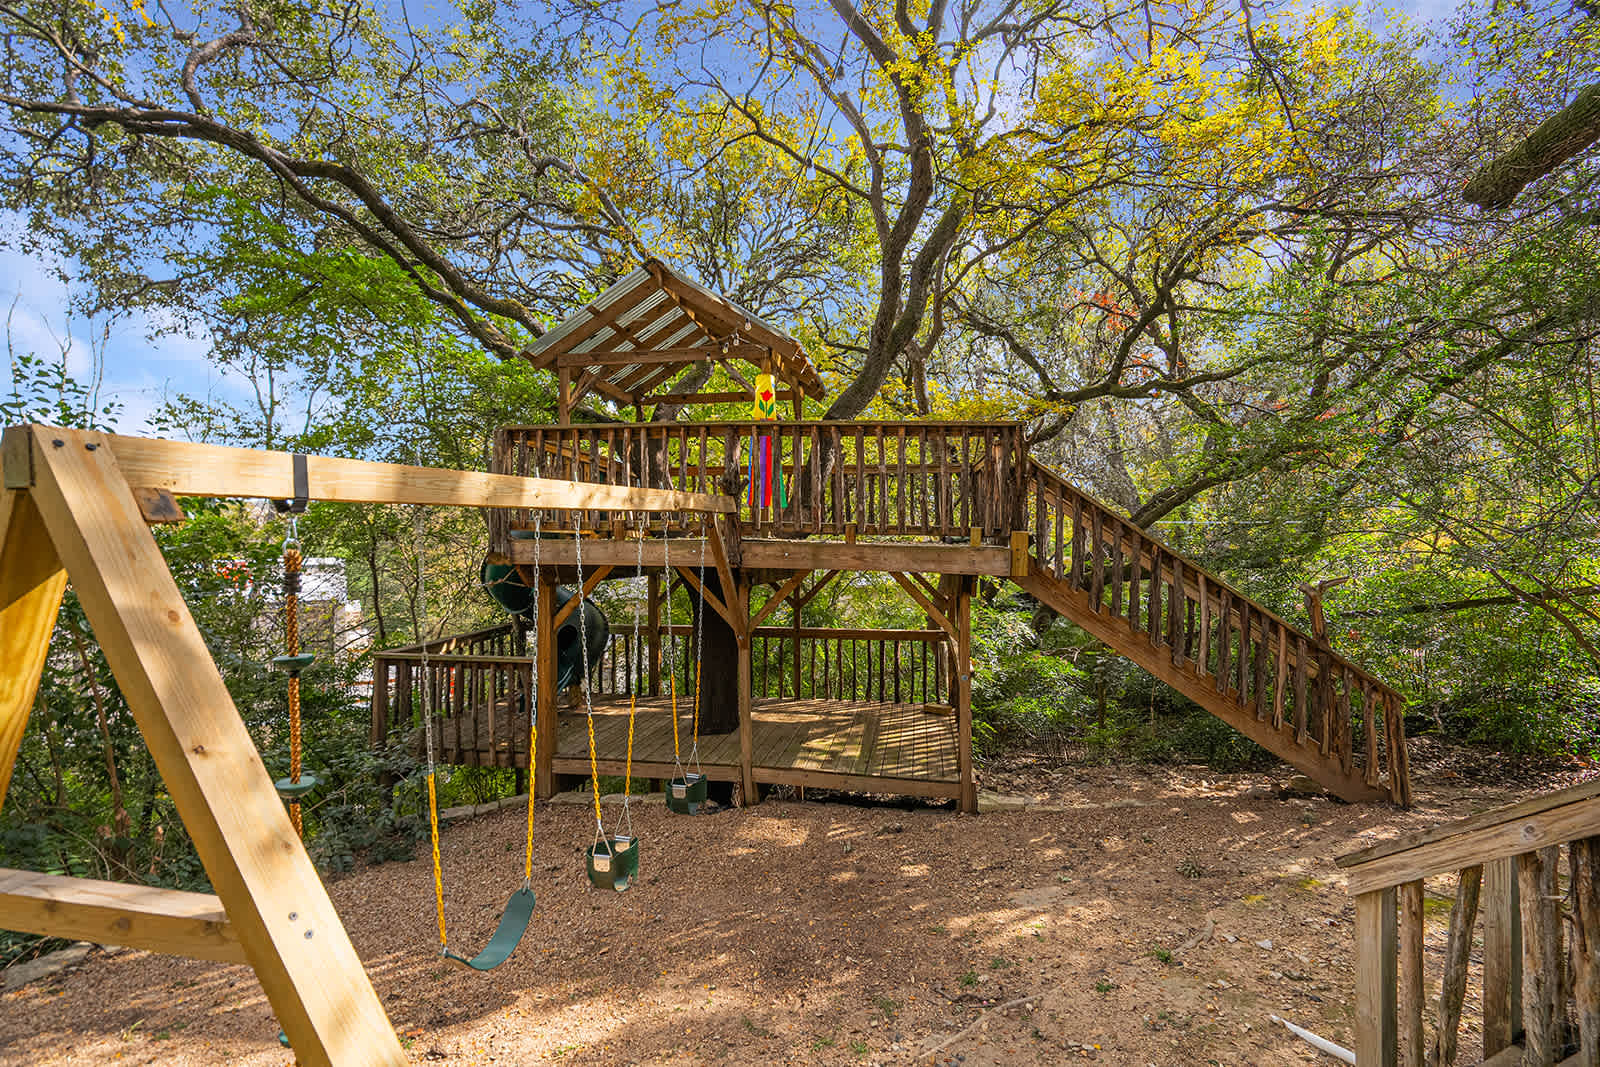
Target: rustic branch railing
<point>1248,654</point>
<point>928,479</point>
<point>1510,861</point>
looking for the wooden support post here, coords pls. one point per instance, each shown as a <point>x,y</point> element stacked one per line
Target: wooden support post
<point>794,647</point>
<point>273,897</point>
<point>1019,555</point>
<point>544,778</point>
<point>1543,964</point>
<point>963,627</point>
<point>653,636</point>
<point>1409,989</point>
<point>31,584</point>
<point>1453,986</point>
<point>1376,1037</point>
<point>1585,861</point>
<point>747,737</point>
<point>1502,956</point>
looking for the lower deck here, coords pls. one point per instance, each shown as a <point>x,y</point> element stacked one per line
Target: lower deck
<point>878,747</point>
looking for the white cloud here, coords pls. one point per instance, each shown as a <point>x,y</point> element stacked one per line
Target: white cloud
<point>144,356</point>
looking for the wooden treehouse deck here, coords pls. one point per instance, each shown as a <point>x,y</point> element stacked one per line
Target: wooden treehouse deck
<point>932,505</point>
<point>883,747</point>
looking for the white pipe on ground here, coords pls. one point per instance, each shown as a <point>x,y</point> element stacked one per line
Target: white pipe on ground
<point>1321,1044</point>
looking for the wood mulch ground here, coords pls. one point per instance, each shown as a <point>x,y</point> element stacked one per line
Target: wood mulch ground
<point>831,933</point>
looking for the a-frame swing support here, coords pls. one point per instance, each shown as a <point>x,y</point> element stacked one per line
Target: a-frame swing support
<point>69,509</point>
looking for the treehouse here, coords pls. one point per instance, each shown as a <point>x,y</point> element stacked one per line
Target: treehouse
<point>933,505</point>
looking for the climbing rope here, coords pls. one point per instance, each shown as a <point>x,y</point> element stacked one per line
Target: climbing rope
<point>292,561</point>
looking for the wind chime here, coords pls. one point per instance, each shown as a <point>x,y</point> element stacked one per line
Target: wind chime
<point>766,455</point>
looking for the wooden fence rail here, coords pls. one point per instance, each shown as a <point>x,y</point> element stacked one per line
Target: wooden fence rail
<point>1538,980</point>
<point>1249,655</point>
<point>480,687</point>
<point>931,479</point>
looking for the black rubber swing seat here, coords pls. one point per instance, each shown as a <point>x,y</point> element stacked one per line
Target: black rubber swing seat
<point>513,924</point>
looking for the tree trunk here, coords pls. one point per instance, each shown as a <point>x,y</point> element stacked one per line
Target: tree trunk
<point>719,687</point>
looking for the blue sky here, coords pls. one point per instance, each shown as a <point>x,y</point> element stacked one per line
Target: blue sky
<point>144,360</point>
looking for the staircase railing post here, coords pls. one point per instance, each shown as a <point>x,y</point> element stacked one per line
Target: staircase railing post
<point>1377,1037</point>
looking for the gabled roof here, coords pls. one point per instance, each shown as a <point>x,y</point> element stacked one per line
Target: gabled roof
<point>645,330</point>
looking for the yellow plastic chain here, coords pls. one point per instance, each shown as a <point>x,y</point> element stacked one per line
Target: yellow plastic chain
<point>438,869</point>
<point>533,747</point>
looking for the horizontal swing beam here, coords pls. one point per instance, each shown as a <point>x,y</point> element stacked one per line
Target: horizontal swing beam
<point>114,913</point>
<point>184,468</point>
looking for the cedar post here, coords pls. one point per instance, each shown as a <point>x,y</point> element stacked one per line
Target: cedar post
<point>963,623</point>
<point>1409,992</point>
<point>31,583</point>
<point>739,604</point>
<point>1376,1036</point>
<point>653,635</point>
<point>1502,955</point>
<point>1543,963</point>
<point>1585,859</point>
<point>547,717</point>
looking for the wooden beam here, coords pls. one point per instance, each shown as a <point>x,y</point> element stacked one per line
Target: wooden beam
<point>547,715</point>
<point>595,577</point>
<point>114,913</point>
<point>1484,820</point>
<point>777,598</point>
<point>599,319</point>
<point>810,594</point>
<point>31,583</point>
<point>938,617</point>
<point>775,554</point>
<point>962,600</point>
<point>1377,1043</point>
<point>1502,956</point>
<point>740,595</point>
<point>188,469</point>
<point>736,616</point>
<point>692,583</point>
<point>647,356</point>
<point>714,397</point>
<point>275,901</point>
<point>1544,829</point>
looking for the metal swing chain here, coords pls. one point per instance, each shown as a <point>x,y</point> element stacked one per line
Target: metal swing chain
<point>292,560</point>
<point>633,681</point>
<point>699,652</point>
<point>672,659</point>
<point>588,700</point>
<point>427,731</point>
<point>533,714</point>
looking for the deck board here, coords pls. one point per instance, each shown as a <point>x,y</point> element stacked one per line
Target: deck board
<point>901,742</point>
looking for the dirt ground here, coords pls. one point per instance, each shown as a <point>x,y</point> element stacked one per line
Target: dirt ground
<point>1157,915</point>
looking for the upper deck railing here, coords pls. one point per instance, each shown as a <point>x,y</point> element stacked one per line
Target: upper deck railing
<point>900,479</point>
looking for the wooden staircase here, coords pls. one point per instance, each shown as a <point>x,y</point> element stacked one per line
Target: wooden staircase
<point>1279,686</point>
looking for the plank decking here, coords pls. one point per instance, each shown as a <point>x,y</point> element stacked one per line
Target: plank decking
<point>907,748</point>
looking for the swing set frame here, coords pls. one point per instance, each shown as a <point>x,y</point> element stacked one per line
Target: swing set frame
<point>78,504</point>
